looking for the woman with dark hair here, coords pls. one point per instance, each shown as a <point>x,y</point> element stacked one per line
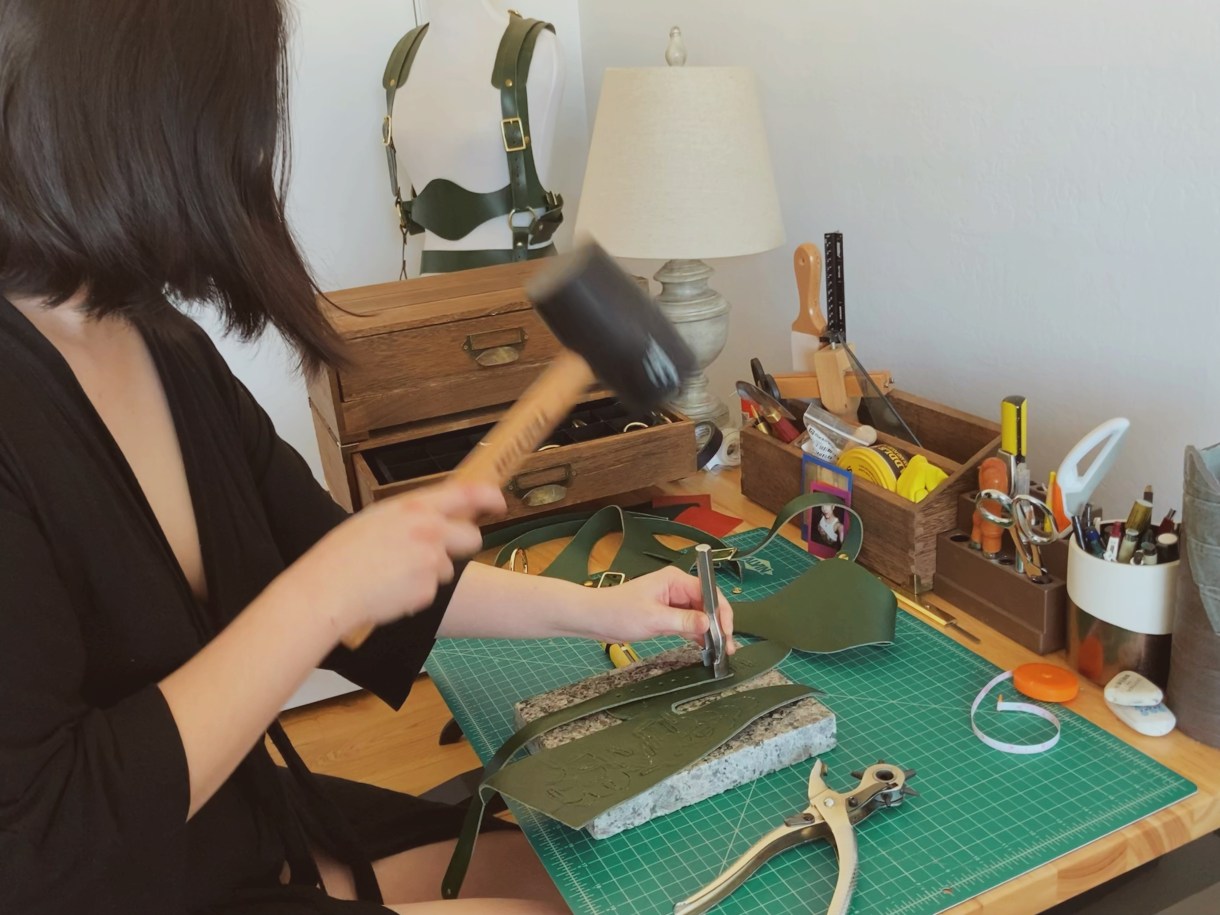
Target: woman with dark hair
<point>169,570</point>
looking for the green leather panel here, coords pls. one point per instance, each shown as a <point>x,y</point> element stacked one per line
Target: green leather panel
<point>448,261</point>
<point>832,606</point>
<point>677,686</point>
<point>578,781</point>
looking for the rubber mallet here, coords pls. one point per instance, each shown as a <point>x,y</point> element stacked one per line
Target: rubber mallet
<point>612,331</point>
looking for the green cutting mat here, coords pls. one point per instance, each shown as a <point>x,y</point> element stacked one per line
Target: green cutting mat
<point>983,817</point>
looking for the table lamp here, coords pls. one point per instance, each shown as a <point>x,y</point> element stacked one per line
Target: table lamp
<point>679,169</point>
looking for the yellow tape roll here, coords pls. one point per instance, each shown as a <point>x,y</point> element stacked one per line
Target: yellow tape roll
<point>919,479</point>
<point>881,464</point>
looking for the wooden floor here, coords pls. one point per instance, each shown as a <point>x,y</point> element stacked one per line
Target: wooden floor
<point>358,737</point>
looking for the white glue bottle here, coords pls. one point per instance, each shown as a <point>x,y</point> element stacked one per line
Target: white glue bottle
<point>829,435</point>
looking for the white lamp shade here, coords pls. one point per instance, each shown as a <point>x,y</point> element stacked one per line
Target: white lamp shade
<point>679,166</point>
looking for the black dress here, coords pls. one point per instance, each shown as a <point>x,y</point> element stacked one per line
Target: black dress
<point>95,610</point>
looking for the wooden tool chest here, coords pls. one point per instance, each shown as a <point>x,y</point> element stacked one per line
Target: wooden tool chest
<point>434,362</point>
<point>899,536</point>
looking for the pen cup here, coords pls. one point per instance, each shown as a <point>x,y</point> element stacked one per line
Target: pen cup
<point>1120,617</point>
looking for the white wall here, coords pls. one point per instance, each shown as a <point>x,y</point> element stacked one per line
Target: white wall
<point>339,201</point>
<point>1028,193</point>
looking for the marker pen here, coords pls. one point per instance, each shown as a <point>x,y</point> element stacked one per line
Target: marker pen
<point>1166,547</point>
<point>1126,549</point>
<point>1167,526</point>
<point>1113,541</point>
<point>1092,542</point>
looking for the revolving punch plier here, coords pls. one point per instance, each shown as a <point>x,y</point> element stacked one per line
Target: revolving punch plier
<point>831,815</point>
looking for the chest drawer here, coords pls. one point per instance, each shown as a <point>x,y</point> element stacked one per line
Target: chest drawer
<point>601,449</point>
<point>430,347</point>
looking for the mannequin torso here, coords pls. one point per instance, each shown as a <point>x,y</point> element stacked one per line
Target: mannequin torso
<point>447,115</point>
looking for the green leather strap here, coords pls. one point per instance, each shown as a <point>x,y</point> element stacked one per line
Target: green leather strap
<point>832,606</point>
<point>639,554</point>
<point>681,685</point>
<point>449,210</point>
<point>396,70</point>
<point>509,75</point>
<point>447,261</point>
<point>579,781</point>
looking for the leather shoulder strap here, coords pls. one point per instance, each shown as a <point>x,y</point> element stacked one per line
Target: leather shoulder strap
<point>509,75</point>
<point>396,71</point>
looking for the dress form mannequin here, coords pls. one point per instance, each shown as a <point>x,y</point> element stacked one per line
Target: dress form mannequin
<point>448,113</point>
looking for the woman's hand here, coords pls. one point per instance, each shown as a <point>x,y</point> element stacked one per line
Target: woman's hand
<point>390,559</point>
<point>668,602</point>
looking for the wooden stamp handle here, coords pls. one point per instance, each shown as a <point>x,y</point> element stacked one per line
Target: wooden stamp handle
<point>530,420</point>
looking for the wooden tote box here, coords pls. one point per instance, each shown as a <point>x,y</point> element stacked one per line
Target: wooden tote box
<point>434,361</point>
<point>899,535</point>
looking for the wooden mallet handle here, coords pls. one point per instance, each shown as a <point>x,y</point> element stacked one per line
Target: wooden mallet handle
<point>522,429</point>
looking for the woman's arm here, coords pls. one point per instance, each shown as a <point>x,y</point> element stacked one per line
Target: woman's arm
<point>379,565</point>
<point>494,603</point>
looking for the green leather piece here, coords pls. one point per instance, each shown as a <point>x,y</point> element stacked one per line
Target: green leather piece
<point>509,75</point>
<point>396,70</point>
<point>448,261</point>
<point>639,553</point>
<point>677,686</point>
<point>449,210</point>
<point>578,781</point>
<point>833,605</point>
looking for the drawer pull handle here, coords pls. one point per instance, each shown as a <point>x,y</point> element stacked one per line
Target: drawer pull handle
<point>496,347</point>
<point>541,487</point>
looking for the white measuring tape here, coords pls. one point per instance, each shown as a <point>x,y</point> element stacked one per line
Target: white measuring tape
<point>1002,706</point>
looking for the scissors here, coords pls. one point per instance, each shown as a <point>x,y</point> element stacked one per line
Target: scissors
<point>1020,515</point>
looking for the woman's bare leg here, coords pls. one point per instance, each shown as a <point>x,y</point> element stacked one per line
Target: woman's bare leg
<point>504,868</point>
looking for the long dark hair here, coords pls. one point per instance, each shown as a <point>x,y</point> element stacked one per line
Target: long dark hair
<point>143,154</point>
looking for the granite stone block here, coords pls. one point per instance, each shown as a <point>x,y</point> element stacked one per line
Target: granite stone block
<point>785,737</point>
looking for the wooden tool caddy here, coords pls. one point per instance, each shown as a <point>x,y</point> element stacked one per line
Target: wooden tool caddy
<point>1033,614</point>
<point>899,535</point>
<point>434,362</point>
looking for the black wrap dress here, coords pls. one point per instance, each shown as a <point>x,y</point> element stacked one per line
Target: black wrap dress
<point>95,610</point>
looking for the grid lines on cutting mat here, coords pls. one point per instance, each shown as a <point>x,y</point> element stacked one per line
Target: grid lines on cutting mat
<point>982,818</point>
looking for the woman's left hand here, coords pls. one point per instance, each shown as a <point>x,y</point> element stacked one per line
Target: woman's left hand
<point>667,602</point>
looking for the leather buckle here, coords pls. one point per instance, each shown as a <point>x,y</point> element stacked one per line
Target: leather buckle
<point>519,141</point>
<point>527,227</point>
<point>387,131</point>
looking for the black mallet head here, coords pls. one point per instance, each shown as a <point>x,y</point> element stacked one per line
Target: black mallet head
<point>599,312</point>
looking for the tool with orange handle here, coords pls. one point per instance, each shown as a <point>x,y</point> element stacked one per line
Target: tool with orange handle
<point>613,332</point>
<point>810,324</point>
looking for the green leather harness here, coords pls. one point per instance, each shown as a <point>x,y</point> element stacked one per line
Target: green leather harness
<point>451,211</point>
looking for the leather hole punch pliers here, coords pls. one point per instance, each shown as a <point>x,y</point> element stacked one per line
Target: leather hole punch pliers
<point>831,815</point>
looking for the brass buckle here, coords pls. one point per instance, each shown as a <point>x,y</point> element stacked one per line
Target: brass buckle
<point>618,578</point>
<point>729,552</point>
<point>387,131</point>
<point>505,123</point>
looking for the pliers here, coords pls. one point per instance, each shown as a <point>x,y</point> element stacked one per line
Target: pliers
<point>831,816</point>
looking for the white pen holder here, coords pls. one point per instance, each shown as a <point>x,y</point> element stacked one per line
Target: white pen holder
<point>1120,616</point>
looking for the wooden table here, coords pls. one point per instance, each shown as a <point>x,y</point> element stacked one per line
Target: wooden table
<point>1098,861</point>
<point>325,735</point>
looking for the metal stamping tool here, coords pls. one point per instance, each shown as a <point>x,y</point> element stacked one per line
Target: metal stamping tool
<point>714,654</point>
<point>831,816</point>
